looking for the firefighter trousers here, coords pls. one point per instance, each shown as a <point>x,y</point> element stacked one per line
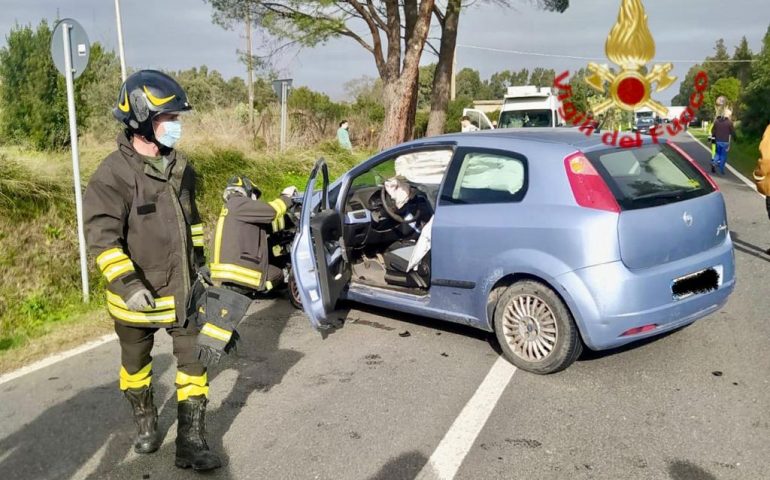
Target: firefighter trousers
<point>136,362</point>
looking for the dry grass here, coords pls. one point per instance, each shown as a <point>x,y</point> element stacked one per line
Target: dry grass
<point>58,338</point>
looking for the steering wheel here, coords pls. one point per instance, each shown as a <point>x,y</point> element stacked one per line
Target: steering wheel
<point>390,209</point>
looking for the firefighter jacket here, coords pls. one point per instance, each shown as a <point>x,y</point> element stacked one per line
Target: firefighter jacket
<point>240,253</point>
<point>762,172</point>
<point>144,229</point>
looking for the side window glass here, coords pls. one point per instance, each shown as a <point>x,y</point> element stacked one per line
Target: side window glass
<point>489,178</point>
<point>376,176</point>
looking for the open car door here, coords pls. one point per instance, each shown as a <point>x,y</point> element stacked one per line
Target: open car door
<point>478,118</point>
<point>318,263</point>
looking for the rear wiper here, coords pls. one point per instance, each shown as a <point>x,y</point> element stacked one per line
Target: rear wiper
<point>663,194</point>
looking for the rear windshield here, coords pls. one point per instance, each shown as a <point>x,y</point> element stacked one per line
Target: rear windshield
<point>649,176</point>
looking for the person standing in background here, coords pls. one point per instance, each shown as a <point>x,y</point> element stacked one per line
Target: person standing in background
<point>343,136</point>
<point>723,133</point>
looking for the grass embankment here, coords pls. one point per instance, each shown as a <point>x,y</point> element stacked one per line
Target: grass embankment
<point>40,305</point>
<point>743,153</point>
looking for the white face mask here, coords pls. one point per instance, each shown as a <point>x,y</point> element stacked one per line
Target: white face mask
<point>172,132</point>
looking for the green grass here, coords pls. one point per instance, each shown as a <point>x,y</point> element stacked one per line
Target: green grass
<point>40,281</point>
<point>743,153</point>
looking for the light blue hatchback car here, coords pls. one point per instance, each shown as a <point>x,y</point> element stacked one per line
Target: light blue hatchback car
<point>550,239</point>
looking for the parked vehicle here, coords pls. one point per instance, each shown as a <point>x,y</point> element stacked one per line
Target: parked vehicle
<point>523,107</point>
<point>551,240</point>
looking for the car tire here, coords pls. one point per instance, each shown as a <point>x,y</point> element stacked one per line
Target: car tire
<point>535,329</point>
<point>293,290</point>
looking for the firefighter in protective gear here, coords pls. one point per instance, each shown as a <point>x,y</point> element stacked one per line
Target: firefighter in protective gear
<point>144,229</point>
<point>240,268</point>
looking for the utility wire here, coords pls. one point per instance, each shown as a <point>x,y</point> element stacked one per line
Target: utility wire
<point>576,57</point>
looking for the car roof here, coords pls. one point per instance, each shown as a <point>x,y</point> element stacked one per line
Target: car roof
<point>572,137</point>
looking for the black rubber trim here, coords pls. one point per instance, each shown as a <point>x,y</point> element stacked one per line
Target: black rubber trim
<point>454,284</point>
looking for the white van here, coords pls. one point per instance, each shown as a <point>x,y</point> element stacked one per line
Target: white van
<point>525,106</point>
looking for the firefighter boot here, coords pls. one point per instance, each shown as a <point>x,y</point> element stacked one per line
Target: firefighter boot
<point>146,418</point>
<point>191,447</point>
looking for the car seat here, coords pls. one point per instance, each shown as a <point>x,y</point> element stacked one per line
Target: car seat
<point>397,261</point>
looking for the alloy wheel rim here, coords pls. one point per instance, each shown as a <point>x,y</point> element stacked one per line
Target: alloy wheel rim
<point>530,328</point>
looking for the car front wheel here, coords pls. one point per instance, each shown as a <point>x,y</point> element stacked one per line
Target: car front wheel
<point>535,329</point>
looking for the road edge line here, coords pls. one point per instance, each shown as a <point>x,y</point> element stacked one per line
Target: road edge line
<point>56,357</point>
<point>732,169</point>
<point>451,451</point>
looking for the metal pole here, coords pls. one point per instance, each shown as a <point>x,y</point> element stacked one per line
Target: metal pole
<point>250,68</point>
<point>75,157</point>
<point>122,53</point>
<point>284,91</point>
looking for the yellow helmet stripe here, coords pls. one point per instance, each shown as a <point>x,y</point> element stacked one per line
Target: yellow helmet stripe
<point>123,106</point>
<point>155,100</point>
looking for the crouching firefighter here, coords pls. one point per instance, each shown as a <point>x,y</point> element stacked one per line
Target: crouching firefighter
<point>143,227</point>
<point>240,270</point>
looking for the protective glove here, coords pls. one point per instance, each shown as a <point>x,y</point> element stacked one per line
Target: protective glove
<point>204,273</point>
<point>208,356</point>
<point>140,301</point>
<point>289,191</point>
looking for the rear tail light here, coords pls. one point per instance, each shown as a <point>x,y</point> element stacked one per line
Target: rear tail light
<point>694,163</point>
<point>588,187</point>
<point>637,330</point>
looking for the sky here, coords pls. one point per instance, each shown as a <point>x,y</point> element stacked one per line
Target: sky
<point>178,34</point>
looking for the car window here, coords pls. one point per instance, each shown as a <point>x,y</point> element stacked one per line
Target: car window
<point>649,176</point>
<point>425,167</point>
<point>485,177</point>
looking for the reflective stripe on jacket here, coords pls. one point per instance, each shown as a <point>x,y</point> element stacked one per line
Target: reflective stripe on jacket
<point>144,229</point>
<point>240,251</point>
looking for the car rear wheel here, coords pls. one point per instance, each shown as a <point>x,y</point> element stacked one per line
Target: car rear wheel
<point>535,329</point>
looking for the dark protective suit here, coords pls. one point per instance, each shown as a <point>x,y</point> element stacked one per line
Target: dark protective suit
<point>145,231</point>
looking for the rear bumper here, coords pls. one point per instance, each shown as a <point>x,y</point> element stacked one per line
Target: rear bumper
<point>608,300</point>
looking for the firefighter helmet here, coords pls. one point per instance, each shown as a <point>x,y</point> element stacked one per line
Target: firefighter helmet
<point>145,95</point>
<point>240,185</point>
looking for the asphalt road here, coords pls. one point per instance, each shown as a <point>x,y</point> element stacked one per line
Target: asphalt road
<point>369,403</point>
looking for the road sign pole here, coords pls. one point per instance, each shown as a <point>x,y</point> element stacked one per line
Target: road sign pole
<point>75,157</point>
<point>122,53</point>
<point>284,91</point>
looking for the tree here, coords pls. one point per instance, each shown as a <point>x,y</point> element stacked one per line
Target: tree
<point>398,29</point>
<point>718,65</point>
<point>757,114</point>
<point>728,87</point>
<point>742,57</point>
<point>449,21</point>
<point>425,89</point>
<point>468,84</point>
<point>228,13</point>
<point>33,93</point>
<point>542,77</point>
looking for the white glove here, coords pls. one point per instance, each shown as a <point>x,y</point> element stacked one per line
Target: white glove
<point>289,191</point>
<point>141,301</point>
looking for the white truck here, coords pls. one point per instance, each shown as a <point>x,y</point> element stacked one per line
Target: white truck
<point>524,106</point>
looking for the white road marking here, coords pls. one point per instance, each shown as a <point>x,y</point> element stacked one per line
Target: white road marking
<point>90,467</point>
<point>451,451</point>
<point>732,169</point>
<point>57,357</point>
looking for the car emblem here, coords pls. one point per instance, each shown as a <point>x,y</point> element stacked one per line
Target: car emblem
<point>687,219</point>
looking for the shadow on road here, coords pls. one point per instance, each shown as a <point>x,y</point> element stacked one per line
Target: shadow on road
<point>62,440</point>
<point>404,467</point>
<point>749,248</point>
<point>684,470</point>
<point>89,435</point>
